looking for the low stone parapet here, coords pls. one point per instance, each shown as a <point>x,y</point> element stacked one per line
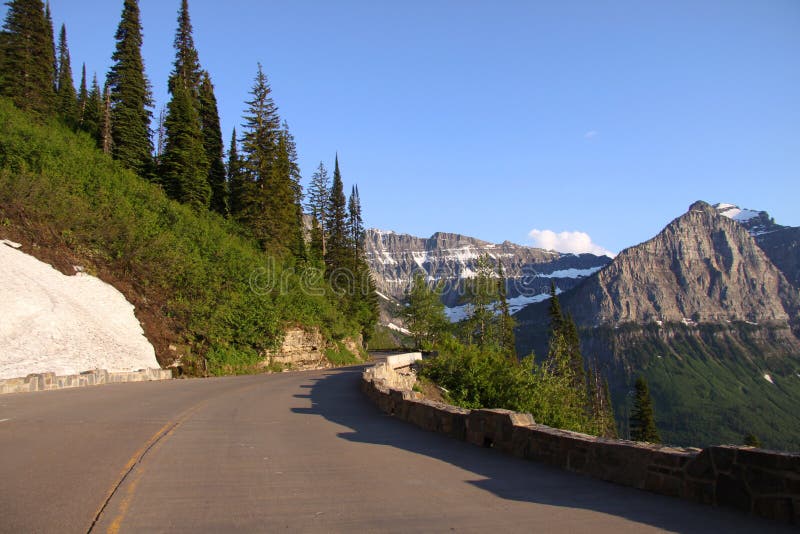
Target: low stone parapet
<point>49,381</point>
<point>757,481</point>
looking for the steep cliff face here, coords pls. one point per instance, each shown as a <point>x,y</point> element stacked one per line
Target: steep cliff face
<point>780,243</point>
<point>395,258</point>
<point>702,268</point>
<point>706,317</point>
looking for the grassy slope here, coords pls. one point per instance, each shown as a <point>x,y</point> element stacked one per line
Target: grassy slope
<point>196,283</point>
<point>708,384</point>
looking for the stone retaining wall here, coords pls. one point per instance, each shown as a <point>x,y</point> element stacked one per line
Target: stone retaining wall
<point>760,482</point>
<point>48,381</point>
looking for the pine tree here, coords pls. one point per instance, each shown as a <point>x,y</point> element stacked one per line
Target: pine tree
<point>570,331</point>
<point>481,294</point>
<point>600,407</point>
<point>187,62</point>
<point>424,315</point>
<point>161,136</point>
<point>269,198</point>
<point>93,114</point>
<point>316,248</point>
<point>299,247</point>
<point>52,55</point>
<point>83,98</point>
<point>212,143</point>
<point>336,254</point>
<point>751,440</point>
<point>130,95</point>
<point>642,420</point>
<point>507,323</point>
<point>355,222</point>
<point>185,166</point>
<point>318,203</point>
<point>556,317</point>
<point>236,178</point>
<point>28,68</point>
<point>67,99</point>
<point>184,169</point>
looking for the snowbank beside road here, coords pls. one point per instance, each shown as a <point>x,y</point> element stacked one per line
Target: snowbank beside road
<point>50,322</point>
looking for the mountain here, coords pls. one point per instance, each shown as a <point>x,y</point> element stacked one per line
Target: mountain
<point>780,243</point>
<point>451,258</point>
<point>706,317</point>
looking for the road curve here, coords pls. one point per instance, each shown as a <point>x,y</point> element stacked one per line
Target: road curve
<point>291,451</point>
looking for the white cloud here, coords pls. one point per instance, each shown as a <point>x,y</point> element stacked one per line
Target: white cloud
<point>591,134</point>
<point>567,242</point>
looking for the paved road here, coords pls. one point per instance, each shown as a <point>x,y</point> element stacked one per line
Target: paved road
<point>293,452</point>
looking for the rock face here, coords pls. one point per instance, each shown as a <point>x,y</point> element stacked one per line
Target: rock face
<point>780,243</point>
<point>395,258</point>
<point>301,349</point>
<point>704,315</point>
<point>702,268</point>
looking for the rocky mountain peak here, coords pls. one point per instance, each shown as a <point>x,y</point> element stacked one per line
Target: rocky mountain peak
<point>703,267</point>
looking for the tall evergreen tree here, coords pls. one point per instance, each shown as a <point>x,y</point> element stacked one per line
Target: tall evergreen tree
<point>161,136</point>
<point>355,223</point>
<point>480,295</point>
<point>187,61</point>
<point>337,253</point>
<point>212,143</point>
<point>28,68</point>
<point>316,246</point>
<point>52,54</point>
<point>184,169</point>
<point>269,200</point>
<point>507,323</point>
<point>83,97</point>
<point>67,99</point>
<point>318,201</point>
<point>299,247</point>
<point>424,315</point>
<point>642,420</point>
<point>556,317</point>
<point>130,95</point>
<point>236,178</point>
<point>185,166</point>
<point>94,111</point>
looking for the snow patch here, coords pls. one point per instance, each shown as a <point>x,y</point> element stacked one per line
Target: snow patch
<point>736,213</point>
<point>768,378</point>
<point>381,295</point>
<point>392,326</point>
<point>571,273</point>
<point>458,313</point>
<point>64,324</point>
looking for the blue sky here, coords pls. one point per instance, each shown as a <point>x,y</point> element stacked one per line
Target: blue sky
<point>494,118</point>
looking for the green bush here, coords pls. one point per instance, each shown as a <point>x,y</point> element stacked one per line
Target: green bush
<point>486,378</point>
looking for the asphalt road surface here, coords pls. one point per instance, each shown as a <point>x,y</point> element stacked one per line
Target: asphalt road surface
<point>288,452</point>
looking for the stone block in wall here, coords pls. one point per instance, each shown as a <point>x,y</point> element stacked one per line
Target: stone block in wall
<point>765,482</point>
<point>700,466</point>
<point>723,457</point>
<point>732,491</point>
<point>783,461</point>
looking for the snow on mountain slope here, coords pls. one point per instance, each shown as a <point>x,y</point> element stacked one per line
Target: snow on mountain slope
<point>64,324</point>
